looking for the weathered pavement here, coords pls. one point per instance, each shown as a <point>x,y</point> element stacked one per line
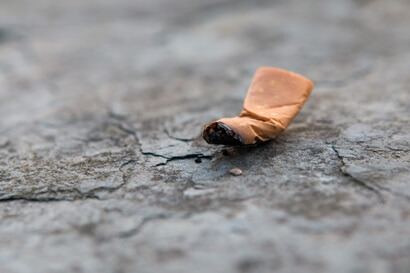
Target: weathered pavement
<point>101,108</point>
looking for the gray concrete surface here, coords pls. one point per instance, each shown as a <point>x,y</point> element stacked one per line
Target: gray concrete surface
<point>102,103</point>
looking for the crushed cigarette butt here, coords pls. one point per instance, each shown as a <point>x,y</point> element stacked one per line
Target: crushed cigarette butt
<point>274,98</point>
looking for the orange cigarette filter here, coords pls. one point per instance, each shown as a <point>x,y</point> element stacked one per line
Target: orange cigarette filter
<point>274,98</point>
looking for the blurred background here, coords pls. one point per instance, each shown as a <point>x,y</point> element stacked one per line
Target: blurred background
<point>136,55</point>
<point>101,109</point>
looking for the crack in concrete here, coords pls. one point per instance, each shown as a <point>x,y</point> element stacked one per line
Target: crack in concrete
<point>134,231</point>
<point>76,194</point>
<point>168,158</point>
<point>127,163</point>
<point>375,188</point>
<point>355,179</point>
<point>177,138</point>
<point>124,175</point>
<point>187,156</point>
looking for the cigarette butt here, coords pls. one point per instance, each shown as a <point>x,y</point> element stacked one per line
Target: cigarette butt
<point>274,98</point>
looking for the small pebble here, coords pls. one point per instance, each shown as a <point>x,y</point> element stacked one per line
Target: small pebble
<point>236,171</point>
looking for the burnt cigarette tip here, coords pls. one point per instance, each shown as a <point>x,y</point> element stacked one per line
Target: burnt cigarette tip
<point>220,134</point>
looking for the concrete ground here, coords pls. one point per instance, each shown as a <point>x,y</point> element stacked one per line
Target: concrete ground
<point>102,104</point>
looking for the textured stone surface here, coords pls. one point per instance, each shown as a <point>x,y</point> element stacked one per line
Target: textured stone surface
<point>102,168</point>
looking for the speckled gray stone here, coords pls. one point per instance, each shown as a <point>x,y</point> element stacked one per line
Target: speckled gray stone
<point>103,168</point>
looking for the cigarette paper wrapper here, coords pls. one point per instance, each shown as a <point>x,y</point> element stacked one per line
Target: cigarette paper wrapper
<point>274,98</point>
